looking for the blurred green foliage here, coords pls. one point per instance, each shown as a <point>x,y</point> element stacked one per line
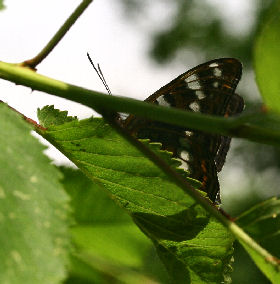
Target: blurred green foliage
<point>200,27</point>
<point>2,6</point>
<point>267,59</point>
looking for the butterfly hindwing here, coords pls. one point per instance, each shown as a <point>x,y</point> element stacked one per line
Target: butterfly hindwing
<point>207,88</point>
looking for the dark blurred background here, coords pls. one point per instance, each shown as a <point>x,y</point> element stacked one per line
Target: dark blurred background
<point>198,31</point>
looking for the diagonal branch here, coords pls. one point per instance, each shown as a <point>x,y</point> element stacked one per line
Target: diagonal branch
<point>259,126</point>
<point>32,63</point>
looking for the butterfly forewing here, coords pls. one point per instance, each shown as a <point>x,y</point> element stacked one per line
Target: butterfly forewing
<point>208,88</point>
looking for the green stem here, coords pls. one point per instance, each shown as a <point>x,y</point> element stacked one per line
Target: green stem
<point>246,239</point>
<point>255,250</point>
<point>249,127</point>
<point>32,63</point>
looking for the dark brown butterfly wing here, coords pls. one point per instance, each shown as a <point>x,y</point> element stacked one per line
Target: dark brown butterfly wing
<point>208,88</point>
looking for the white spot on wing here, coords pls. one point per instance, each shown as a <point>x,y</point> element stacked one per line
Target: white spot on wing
<point>217,72</point>
<point>184,165</point>
<point>162,101</point>
<point>194,85</point>
<point>191,78</point>
<point>214,64</point>
<point>200,95</point>
<point>195,106</point>
<point>216,84</point>
<point>185,155</point>
<point>188,133</point>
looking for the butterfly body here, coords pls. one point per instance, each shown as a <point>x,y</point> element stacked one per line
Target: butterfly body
<point>207,88</point>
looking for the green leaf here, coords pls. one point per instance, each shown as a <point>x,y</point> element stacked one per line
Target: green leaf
<point>166,214</point>
<point>267,57</point>
<point>33,208</point>
<point>90,203</point>
<point>106,240</point>
<point>262,222</point>
<point>48,116</point>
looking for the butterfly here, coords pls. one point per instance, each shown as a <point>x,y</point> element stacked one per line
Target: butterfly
<point>208,88</point>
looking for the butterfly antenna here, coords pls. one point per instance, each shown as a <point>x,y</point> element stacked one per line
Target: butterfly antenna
<point>104,81</point>
<point>100,74</point>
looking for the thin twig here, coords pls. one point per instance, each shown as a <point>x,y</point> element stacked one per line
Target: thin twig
<point>32,63</point>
